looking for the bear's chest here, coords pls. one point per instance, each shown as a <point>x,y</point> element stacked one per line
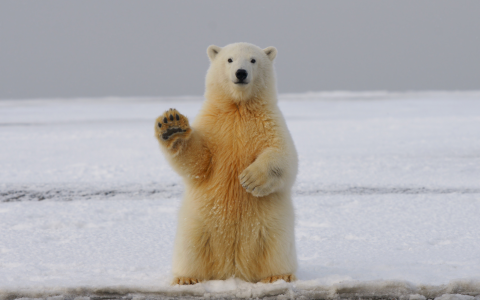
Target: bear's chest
<point>237,138</point>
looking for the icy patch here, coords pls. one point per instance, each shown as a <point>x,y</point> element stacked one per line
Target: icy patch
<point>455,297</point>
<point>69,192</point>
<point>416,297</point>
<point>237,289</point>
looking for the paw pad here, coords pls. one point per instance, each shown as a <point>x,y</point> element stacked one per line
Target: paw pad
<point>171,123</point>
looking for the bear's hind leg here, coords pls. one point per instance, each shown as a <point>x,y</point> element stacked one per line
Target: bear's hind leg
<point>184,147</point>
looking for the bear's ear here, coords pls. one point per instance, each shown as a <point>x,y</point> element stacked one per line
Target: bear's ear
<point>271,52</point>
<point>212,51</point>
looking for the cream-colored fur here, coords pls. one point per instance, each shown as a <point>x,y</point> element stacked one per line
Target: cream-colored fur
<point>239,163</point>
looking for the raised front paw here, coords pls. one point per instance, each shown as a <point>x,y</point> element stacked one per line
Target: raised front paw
<point>171,125</point>
<point>258,180</point>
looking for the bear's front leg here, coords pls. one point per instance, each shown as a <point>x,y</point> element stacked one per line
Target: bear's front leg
<point>184,148</point>
<point>265,175</point>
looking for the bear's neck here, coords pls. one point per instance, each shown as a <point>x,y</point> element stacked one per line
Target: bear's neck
<point>225,101</point>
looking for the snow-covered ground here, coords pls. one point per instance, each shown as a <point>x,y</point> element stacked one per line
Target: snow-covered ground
<point>387,197</point>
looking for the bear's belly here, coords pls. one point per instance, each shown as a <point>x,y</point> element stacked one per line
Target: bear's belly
<point>226,197</point>
<point>223,183</point>
<point>224,204</point>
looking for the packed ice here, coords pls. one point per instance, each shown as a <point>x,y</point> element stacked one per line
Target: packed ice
<point>387,198</point>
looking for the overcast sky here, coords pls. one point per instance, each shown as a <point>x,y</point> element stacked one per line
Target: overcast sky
<point>158,48</point>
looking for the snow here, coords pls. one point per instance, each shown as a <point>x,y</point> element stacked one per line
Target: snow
<point>387,198</point>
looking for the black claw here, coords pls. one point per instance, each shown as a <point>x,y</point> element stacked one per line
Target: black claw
<point>159,125</point>
<point>171,118</point>
<point>165,120</point>
<point>177,117</point>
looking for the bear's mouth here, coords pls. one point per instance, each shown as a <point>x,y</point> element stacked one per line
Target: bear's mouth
<point>241,82</point>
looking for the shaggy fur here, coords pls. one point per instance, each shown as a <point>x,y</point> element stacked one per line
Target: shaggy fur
<point>239,163</point>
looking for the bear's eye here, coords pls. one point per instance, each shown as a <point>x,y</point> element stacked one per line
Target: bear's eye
<point>253,60</point>
<point>230,60</point>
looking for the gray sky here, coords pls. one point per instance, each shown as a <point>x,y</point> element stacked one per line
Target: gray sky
<point>158,48</point>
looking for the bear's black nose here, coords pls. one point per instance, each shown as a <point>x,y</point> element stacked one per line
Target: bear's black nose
<point>241,74</point>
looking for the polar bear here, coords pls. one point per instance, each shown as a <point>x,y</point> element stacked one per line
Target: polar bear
<point>238,162</point>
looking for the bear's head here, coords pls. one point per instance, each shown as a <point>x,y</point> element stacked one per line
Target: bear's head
<point>241,72</point>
